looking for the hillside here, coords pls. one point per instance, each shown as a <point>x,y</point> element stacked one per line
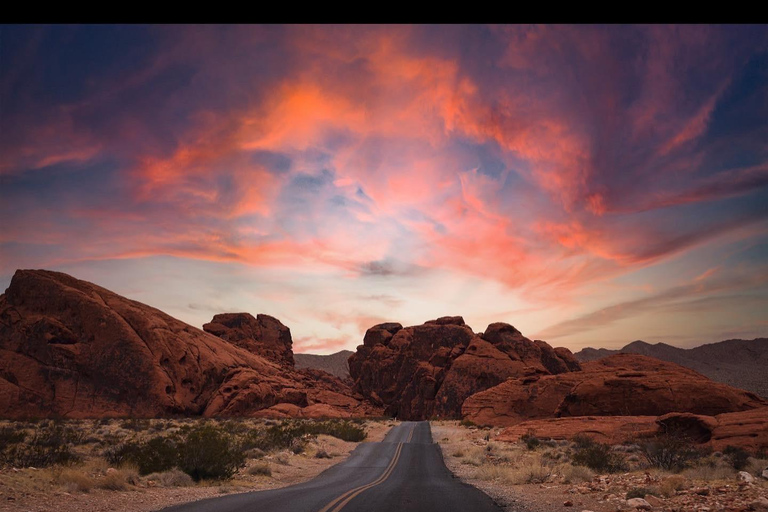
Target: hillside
<point>335,364</point>
<point>739,363</point>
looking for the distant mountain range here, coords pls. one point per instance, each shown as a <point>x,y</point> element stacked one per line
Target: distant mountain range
<point>739,363</point>
<point>335,364</point>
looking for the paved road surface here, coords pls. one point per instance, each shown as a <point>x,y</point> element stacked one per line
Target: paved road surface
<point>405,472</point>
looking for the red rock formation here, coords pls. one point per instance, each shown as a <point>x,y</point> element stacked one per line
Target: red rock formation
<point>264,335</point>
<point>70,348</point>
<point>745,429</point>
<point>619,385</point>
<point>429,370</point>
<point>604,429</point>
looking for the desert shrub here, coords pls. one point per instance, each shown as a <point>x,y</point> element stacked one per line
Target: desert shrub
<point>531,442</point>
<point>575,474</point>
<point>597,456</point>
<point>673,484</point>
<point>113,481</point>
<point>294,434</point>
<point>136,425</point>
<point>172,478</point>
<point>475,457</point>
<point>670,452</point>
<point>261,468</point>
<point>458,453</point>
<point>525,472</point>
<point>208,453</point>
<point>73,480</point>
<point>708,473</point>
<point>340,429</point>
<point>12,435</point>
<point>254,453</point>
<point>152,456</point>
<point>641,492</point>
<point>50,444</point>
<point>756,465</point>
<point>467,423</point>
<point>737,457</point>
<point>322,454</point>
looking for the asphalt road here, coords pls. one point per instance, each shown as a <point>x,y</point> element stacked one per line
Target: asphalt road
<point>405,472</point>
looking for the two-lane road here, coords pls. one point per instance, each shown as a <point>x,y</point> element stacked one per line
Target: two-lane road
<point>402,473</point>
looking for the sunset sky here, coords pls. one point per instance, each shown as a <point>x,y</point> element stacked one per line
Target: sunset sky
<point>589,185</point>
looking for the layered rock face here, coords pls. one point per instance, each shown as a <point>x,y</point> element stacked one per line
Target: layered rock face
<point>69,348</point>
<point>745,429</point>
<point>263,335</point>
<point>619,385</point>
<point>430,370</point>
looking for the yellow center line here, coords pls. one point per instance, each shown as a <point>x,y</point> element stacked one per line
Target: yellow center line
<point>410,436</point>
<point>347,496</point>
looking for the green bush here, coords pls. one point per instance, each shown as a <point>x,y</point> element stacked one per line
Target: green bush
<point>209,453</point>
<point>670,452</point>
<point>597,456</point>
<point>531,442</point>
<point>738,457</point>
<point>155,455</point>
<point>12,435</point>
<point>293,435</point>
<point>50,444</point>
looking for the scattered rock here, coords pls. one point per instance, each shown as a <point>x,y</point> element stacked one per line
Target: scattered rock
<point>760,504</point>
<point>568,503</point>
<point>639,504</point>
<point>746,477</point>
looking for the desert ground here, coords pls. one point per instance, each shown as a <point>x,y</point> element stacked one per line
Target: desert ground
<point>98,465</point>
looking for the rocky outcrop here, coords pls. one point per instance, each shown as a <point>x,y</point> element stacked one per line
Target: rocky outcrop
<point>69,348</point>
<point>262,335</point>
<point>619,385</point>
<point>430,370</point>
<point>745,429</point>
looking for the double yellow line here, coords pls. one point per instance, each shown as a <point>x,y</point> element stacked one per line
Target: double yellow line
<point>345,498</point>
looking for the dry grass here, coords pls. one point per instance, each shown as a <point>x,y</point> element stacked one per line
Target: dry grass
<point>475,456</point>
<point>532,472</point>
<point>260,468</point>
<point>756,466</point>
<point>670,485</point>
<point>709,473</point>
<point>574,474</point>
<point>171,478</point>
<point>73,480</point>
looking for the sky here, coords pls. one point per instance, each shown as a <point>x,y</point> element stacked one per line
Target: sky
<point>590,185</point>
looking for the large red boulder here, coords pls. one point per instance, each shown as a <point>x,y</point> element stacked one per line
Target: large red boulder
<point>262,335</point>
<point>429,370</point>
<point>69,348</point>
<point>618,385</point>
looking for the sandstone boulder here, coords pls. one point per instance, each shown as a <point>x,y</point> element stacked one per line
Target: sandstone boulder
<point>263,335</point>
